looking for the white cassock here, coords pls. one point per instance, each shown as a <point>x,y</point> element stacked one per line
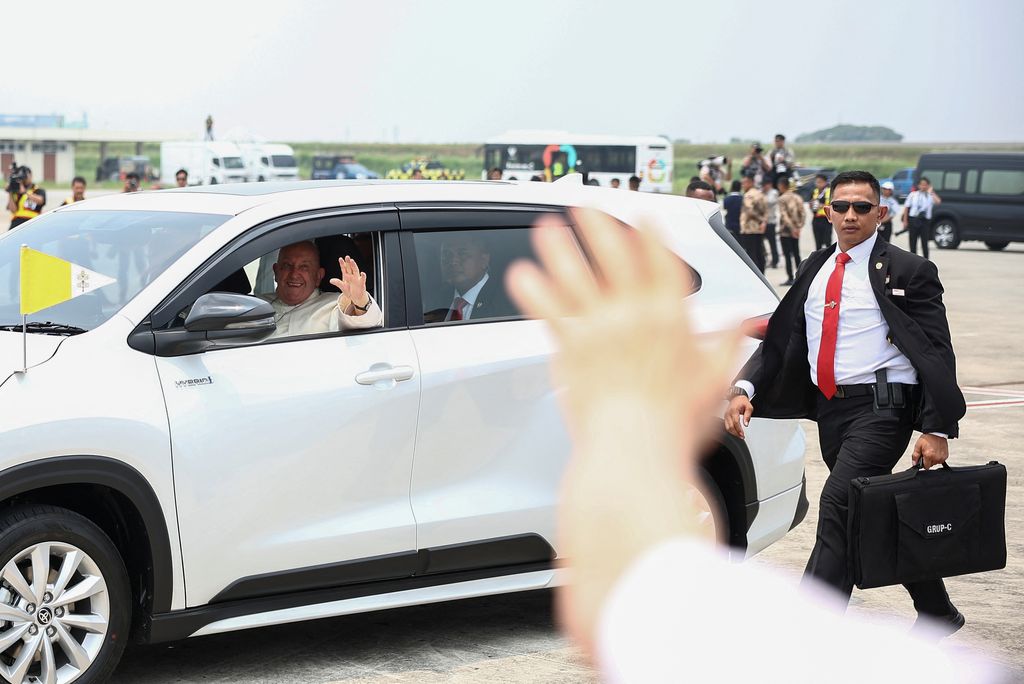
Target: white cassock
<point>318,314</point>
<point>683,613</point>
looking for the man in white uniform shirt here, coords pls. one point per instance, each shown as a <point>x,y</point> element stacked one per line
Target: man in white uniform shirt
<point>917,215</point>
<point>861,345</point>
<point>302,309</point>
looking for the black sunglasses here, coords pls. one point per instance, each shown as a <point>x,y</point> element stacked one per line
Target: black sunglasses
<point>842,206</point>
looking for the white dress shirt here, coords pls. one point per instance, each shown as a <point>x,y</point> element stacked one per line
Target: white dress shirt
<point>319,313</point>
<point>920,204</point>
<point>683,613</point>
<point>862,346</point>
<point>469,296</point>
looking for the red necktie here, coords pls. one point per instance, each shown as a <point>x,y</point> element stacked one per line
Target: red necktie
<point>457,307</point>
<point>830,328</point>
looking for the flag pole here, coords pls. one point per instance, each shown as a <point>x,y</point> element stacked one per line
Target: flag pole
<point>24,316</point>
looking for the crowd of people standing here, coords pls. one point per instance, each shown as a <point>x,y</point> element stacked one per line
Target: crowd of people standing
<point>766,216</point>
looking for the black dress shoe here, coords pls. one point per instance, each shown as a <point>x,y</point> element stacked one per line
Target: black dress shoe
<point>935,628</point>
<point>787,283</point>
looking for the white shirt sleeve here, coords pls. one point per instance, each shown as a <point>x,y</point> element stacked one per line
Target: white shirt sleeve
<point>747,386</point>
<point>373,318</point>
<point>683,613</point>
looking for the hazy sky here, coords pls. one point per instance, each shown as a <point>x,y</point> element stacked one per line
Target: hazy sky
<point>436,71</point>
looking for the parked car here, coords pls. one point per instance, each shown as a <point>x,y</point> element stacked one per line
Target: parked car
<point>116,169</point>
<point>340,167</point>
<point>982,197</point>
<point>903,182</point>
<point>805,176</point>
<point>168,471</point>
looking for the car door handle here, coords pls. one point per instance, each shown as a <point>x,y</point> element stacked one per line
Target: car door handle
<point>382,373</point>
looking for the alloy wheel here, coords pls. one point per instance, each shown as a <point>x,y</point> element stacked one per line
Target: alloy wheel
<point>54,614</point>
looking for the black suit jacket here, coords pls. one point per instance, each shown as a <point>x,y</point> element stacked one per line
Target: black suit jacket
<point>491,302</point>
<point>917,324</point>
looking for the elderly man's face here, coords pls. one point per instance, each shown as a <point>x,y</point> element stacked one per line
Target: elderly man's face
<point>297,273</point>
<point>463,262</point>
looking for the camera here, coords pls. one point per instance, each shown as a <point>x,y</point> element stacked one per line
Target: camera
<point>17,176</point>
<point>758,149</point>
<point>713,162</point>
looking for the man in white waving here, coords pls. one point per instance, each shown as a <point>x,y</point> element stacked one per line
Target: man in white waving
<point>302,309</point>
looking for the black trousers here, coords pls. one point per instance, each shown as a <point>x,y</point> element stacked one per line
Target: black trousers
<point>885,231</point>
<point>822,232</point>
<point>769,235</point>
<point>855,442</point>
<point>791,252</point>
<point>920,227</point>
<point>753,245</point>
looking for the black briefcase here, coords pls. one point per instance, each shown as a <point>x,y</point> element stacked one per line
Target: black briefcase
<point>926,524</point>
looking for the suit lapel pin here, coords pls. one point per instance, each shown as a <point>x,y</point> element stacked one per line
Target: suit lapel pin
<point>878,265</point>
<point>478,304</point>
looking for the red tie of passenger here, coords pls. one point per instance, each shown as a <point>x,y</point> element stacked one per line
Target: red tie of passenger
<point>830,328</point>
<point>457,308</point>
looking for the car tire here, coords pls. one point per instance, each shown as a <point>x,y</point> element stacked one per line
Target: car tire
<point>713,518</point>
<point>86,597</point>
<point>261,179</point>
<point>996,246</point>
<point>946,234</point>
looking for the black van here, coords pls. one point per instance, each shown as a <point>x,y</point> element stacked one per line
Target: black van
<point>982,197</point>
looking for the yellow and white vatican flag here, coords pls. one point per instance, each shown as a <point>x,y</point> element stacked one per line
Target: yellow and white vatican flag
<point>47,280</point>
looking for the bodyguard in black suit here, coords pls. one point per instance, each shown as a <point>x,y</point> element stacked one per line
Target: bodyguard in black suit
<point>861,345</point>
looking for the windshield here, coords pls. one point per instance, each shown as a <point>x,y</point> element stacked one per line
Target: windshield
<point>133,247</point>
<point>283,160</point>
<point>233,163</point>
<point>353,169</point>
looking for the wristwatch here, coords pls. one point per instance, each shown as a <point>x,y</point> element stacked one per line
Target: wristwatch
<point>737,391</point>
<point>364,309</point>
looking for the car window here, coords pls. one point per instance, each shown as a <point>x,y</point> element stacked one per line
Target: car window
<point>257,277</point>
<point>462,272</point>
<point>972,181</point>
<point>951,180</point>
<point>1000,182</point>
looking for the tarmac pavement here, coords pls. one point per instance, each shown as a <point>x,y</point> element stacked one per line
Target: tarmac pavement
<point>513,638</point>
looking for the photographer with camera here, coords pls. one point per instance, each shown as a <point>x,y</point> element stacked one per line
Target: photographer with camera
<point>24,200</point>
<point>715,171</point>
<point>755,165</point>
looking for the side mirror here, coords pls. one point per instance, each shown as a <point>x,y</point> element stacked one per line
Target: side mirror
<point>216,320</point>
<point>237,315</point>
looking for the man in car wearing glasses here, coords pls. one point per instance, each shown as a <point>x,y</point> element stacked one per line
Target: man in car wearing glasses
<point>861,345</point>
<point>302,309</point>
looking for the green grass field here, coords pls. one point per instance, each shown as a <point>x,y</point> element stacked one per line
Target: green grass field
<point>881,159</point>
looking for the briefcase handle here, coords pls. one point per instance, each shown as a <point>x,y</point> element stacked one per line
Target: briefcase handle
<point>920,465</point>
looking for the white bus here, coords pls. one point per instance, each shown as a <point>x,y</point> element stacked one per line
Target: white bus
<point>553,154</point>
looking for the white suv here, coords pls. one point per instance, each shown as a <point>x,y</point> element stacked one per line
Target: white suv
<point>168,470</point>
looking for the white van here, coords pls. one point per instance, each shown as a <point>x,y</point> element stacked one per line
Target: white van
<point>207,162</point>
<point>270,161</point>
